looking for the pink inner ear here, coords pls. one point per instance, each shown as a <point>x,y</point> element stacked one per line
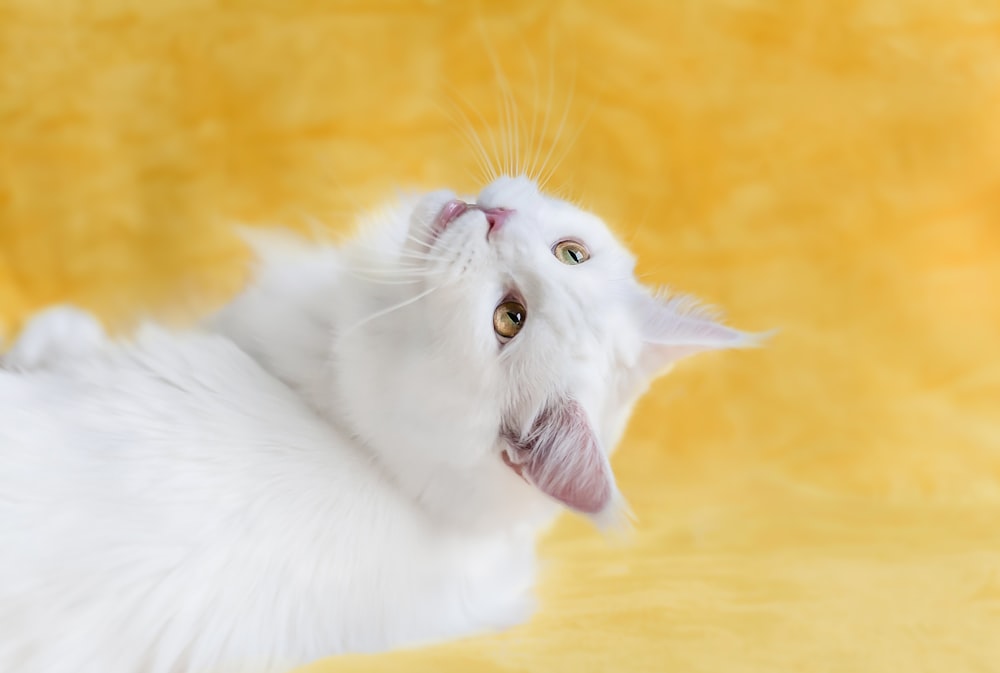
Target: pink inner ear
<point>561,456</point>
<point>676,327</point>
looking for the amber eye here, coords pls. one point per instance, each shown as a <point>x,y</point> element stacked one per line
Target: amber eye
<point>508,319</point>
<point>570,252</point>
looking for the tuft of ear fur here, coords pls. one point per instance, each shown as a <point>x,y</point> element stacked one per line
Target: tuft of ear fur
<point>562,457</point>
<point>676,326</point>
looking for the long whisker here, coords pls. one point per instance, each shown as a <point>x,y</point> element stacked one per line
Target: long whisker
<point>559,129</point>
<point>454,92</point>
<point>535,165</point>
<point>510,119</point>
<point>405,260</point>
<point>380,250</point>
<point>531,142</point>
<point>390,309</point>
<point>569,146</point>
<point>513,125</point>
<point>480,179</point>
<point>414,256</point>
<point>380,281</point>
<point>397,270</point>
<point>472,139</point>
<point>422,244</point>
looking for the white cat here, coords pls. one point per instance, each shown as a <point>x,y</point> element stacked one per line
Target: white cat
<point>357,453</point>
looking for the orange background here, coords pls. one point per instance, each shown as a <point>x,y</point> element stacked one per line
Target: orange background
<point>829,503</point>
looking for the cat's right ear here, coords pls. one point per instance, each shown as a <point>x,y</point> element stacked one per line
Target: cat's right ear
<point>674,327</point>
<point>562,457</point>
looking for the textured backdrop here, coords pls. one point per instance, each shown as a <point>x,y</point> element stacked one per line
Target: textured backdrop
<point>829,503</point>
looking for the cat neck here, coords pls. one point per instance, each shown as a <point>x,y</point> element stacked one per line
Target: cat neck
<point>292,321</point>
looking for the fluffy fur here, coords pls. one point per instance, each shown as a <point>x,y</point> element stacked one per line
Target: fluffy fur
<point>347,458</point>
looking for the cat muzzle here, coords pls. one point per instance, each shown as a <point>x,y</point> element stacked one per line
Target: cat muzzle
<point>454,209</point>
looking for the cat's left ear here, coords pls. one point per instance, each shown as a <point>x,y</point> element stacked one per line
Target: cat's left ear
<point>674,327</point>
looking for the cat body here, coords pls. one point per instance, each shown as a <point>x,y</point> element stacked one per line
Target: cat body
<point>154,520</point>
<point>357,453</point>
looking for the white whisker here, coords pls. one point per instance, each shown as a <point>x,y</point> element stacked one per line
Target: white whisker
<point>379,281</point>
<point>472,139</point>
<point>400,270</point>
<point>486,125</point>
<point>569,146</point>
<point>402,266</point>
<point>423,244</point>
<point>390,309</point>
<point>536,167</point>
<point>559,130</point>
<point>508,121</point>
<point>531,140</point>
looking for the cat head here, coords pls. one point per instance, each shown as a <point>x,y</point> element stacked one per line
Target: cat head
<point>491,350</point>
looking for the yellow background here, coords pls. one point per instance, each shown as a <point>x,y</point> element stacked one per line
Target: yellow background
<point>829,503</point>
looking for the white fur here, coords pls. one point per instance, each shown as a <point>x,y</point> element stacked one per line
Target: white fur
<point>57,334</point>
<point>324,472</point>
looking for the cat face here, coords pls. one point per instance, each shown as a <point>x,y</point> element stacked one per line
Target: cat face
<point>508,355</point>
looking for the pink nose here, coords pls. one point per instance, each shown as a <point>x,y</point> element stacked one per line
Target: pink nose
<point>496,218</point>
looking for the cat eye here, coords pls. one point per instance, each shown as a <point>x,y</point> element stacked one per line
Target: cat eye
<point>570,252</point>
<point>508,319</point>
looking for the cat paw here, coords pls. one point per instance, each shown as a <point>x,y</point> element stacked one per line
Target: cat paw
<point>53,335</point>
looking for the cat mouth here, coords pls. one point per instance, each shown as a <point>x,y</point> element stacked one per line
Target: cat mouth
<point>450,212</point>
<point>456,208</point>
